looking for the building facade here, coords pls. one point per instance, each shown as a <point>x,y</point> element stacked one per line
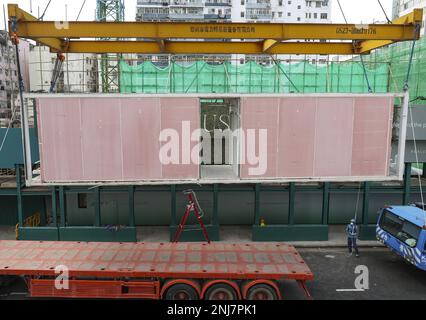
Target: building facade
<point>291,11</point>
<point>79,71</point>
<point>280,11</point>
<point>9,85</point>
<point>403,7</point>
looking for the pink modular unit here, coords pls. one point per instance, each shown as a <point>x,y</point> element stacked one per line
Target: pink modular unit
<point>112,139</point>
<point>320,137</point>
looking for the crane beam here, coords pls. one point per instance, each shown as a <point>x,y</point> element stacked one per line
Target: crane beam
<point>251,38</point>
<point>203,47</point>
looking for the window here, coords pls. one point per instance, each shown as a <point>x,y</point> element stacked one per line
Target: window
<point>280,3</point>
<point>242,14</point>
<point>403,230</point>
<point>315,15</point>
<point>298,19</point>
<point>299,7</point>
<point>324,16</point>
<point>280,14</point>
<point>242,2</point>
<point>288,14</point>
<point>82,200</point>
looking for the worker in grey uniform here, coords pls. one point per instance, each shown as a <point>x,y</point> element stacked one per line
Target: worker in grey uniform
<point>352,233</point>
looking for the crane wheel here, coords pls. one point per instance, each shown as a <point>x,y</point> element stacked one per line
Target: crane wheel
<point>261,292</point>
<point>221,291</point>
<point>181,291</point>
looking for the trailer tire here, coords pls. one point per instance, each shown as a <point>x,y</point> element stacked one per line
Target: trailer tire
<point>221,291</point>
<point>181,291</point>
<point>261,291</point>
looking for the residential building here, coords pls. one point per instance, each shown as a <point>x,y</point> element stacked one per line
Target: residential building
<point>9,83</point>
<point>79,71</point>
<point>286,11</point>
<point>403,7</point>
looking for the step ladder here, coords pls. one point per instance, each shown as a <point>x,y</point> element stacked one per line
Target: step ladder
<point>192,206</point>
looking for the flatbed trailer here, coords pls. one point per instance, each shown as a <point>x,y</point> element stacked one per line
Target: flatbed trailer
<point>173,271</point>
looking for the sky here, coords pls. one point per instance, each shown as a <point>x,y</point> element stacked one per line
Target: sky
<point>356,11</point>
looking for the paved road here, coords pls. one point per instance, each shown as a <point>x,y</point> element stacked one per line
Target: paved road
<point>389,276</point>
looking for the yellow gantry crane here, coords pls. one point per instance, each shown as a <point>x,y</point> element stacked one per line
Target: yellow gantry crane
<point>212,37</point>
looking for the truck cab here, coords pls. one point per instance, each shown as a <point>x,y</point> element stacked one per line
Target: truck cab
<point>403,230</point>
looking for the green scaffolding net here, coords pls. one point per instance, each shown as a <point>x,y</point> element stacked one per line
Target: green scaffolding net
<point>398,57</point>
<point>386,70</point>
<point>251,77</point>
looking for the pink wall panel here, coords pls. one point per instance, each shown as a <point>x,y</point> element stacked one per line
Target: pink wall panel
<point>333,137</point>
<point>372,134</point>
<point>60,146</point>
<point>260,113</point>
<point>112,139</point>
<point>117,139</point>
<point>296,137</point>
<point>101,139</point>
<point>322,136</point>
<point>140,123</point>
<point>173,113</point>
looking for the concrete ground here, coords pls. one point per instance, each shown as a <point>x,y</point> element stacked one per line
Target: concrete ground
<point>390,277</point>
<point>7,233</point>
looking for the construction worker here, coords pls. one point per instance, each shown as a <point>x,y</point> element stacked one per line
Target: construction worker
<point>352,233</point>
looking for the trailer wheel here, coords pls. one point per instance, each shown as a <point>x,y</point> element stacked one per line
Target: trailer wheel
<point>221,291</point>
<point>181,291</point>
<point>261,292</point>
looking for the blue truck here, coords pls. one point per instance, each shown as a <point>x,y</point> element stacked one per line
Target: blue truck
<point>403,230</point>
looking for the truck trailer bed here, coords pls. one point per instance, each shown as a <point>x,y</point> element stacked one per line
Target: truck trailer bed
<point>149,270</point>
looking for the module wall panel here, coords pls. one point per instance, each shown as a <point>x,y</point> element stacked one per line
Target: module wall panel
<point>113,139</point>
<point>333,137</point>
<point>60,148</point>
<point>141,126</point>
<point>100,132</point>
<point>257,114</point>
<point>121,138</point>
<point>339,137</point>
<point>372,136</point>
<point>179,115</point>
<point>296,137</point>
